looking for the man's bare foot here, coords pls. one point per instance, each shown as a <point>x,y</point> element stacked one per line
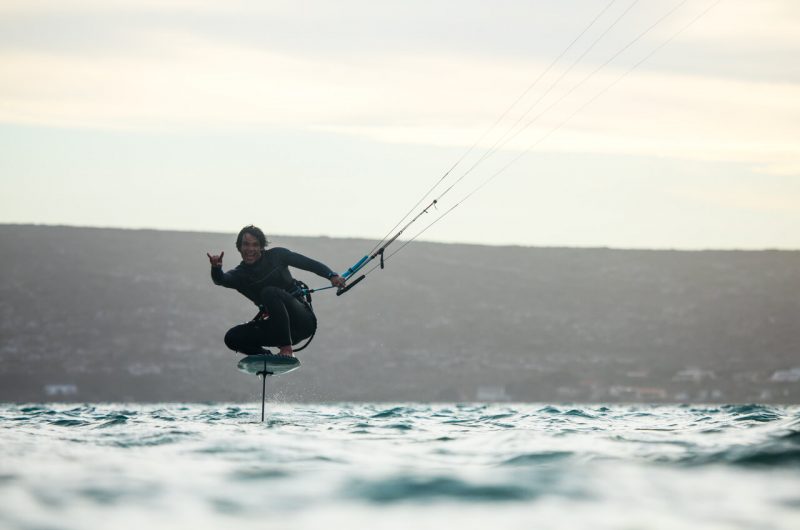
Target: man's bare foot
<point>286,351</point>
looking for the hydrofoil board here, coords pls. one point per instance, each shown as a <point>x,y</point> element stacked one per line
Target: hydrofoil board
<point>268,364</point>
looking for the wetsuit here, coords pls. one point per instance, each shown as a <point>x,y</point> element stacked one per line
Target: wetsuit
<point>269,284</point>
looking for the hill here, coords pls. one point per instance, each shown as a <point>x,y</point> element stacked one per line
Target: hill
<point>103,314</point>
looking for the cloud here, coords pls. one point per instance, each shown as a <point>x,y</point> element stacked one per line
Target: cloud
<point>757,197</point>
<point>177,80</point>
<point>748,23</point>
<point>33,7</point>
<point>647,114</point>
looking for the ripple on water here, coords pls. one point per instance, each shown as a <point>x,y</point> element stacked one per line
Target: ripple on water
<point>415,457</point>
<point>499,416</point>
<point>770,457</point>
<point>533,459</point>
<point>69,423</point>
<point>756,413</point>
<point>33,409</point>
<point>393,412</point>
<point>151,440</point>
<point>793,435</point>
<point>163,415</point>
<point>549,410</point>
<point>250,474</point>
<point>227,506</point>
<point>409,488</point>
<point>399,426</point>
<point>112,420</point>
<point>7,478</point>
<point>578,413</point>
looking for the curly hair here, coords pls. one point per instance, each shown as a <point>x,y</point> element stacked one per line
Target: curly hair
<point>253,231</point>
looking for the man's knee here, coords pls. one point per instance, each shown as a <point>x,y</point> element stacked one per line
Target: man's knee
<point>233,339</point>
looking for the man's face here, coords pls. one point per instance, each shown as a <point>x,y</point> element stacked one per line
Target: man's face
<point>250,249</point>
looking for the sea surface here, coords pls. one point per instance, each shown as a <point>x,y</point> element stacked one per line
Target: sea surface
<point>399,466</point>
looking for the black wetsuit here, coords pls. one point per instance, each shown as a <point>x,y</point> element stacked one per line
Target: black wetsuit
<point>269,284</point>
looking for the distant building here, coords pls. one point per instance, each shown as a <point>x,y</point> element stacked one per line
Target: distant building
<point>636,393</point>
<point>786,376</point>
<point>60,390</point>
<point>492,393</point>
<point>651,393</point>
<point>139,369</point>
<point>694,375</point>
<point>567,392</point>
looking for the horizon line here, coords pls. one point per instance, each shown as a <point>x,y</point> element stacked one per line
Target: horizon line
<point>466,243</point>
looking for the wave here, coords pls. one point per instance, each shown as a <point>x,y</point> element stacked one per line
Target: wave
<point>752,412</point>
<point>409,488</point>
<point>539,458</point>
<point>780,450</point>
<point>394,412</point>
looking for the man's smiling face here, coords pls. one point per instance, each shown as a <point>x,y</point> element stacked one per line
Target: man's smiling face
<point>250,249</point>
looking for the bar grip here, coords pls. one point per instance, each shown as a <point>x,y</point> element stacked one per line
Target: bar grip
<point>355,268</point>
<point>340,292</point>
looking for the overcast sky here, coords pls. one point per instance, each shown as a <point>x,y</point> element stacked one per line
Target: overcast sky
<point>333,118</point>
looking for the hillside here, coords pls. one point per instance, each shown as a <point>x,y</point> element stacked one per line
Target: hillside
<point>103,314</point>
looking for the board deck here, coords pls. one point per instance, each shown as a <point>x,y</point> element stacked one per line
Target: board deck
<point>269,363</point>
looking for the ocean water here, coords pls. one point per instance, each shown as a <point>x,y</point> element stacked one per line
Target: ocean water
<point>393,466</point>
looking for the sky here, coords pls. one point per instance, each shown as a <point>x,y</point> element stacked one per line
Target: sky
<point>653,129</point>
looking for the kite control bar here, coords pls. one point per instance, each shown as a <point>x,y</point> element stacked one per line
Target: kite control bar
<point>343,290</point>
<point>355,268</point>
<point>360,264</point>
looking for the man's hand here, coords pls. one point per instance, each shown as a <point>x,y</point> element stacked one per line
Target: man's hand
<point>216,261</point>
<point>338,281</point>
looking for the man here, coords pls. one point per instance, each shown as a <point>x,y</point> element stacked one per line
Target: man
<point>263,276</point>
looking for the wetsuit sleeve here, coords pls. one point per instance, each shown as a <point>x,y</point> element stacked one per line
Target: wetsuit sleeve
<point>293,259</point>
<point>225,279</point>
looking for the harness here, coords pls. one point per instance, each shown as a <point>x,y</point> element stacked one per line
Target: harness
<point>303,294</point>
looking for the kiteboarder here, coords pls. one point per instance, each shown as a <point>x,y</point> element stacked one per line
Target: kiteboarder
<point>285,316</point>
